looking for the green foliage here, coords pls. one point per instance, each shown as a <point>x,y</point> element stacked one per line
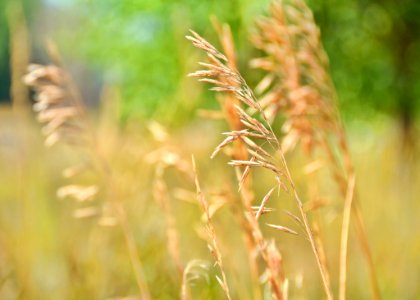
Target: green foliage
<point>4,84</point>
<point>373,67</point>
<point>139,45</point>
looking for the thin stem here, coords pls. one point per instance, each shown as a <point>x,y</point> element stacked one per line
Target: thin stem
<point>132,251</point>
<point>359,223</point>
<point>324,276</point>
<point>344,237</point>
<point>121,213</point>
<point>125,227</point>
<point>234,122</point>
<point>214,247</point>
<point>355,208</point>
<point>364,244</point>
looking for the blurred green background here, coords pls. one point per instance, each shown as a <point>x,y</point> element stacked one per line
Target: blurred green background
<point>139,45</point>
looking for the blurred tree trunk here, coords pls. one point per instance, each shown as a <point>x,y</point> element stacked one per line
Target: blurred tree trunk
<point>403,37</point>
<point>19,56</point>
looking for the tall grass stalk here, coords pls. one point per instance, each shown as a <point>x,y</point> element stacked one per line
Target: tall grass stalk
<point>60,106</point>
<point>219,68</point>
<point>298,86</point>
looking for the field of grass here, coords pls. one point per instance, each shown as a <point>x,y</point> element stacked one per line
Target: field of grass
<point>47,254</point>
<point>270,197</point>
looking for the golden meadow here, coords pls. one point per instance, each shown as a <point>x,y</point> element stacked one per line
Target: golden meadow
<point>268,194</point>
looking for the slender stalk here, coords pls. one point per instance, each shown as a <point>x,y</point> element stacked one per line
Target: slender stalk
<point>160,193</point>
<point>218,68</point>
<point>316,221</point>
<point>324,276</point>
<point>132,251</point>
<point>119,209</point>
<point>104,170</point>
<point>321,267</point>
<point>228,104</point>
<point>214,246</point>
<point>185,293</point>
<point>364,244</point>
<point>359,223</point>
<point>125,228</point>
<point>343,183</point>
<point>251,251</point>
<point>344,237</point>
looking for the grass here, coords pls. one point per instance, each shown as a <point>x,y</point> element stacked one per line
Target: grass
<point>263,211</point>
<point>62,257</point>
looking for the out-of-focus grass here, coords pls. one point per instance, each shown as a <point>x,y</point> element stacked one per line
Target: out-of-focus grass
<point>46,254</point>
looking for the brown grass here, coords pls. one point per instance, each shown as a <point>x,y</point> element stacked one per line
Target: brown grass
<point>219,68</point>
<point>344,238</point>
<point>60,107</point>
<point>213,245</point>
<point>297,87</point>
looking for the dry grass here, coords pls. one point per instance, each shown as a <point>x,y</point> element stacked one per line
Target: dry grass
<point>213,244</point>
<point>271,221</point>
<point>234,83</point>
<point>59,105</point>
<point>298,85</point>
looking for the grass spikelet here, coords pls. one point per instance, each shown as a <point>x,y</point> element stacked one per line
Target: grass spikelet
<point>264,201</point>
<point>195,270</point>
<point>296,83</point>
<point>80,193</point>
<point>282,228</point>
